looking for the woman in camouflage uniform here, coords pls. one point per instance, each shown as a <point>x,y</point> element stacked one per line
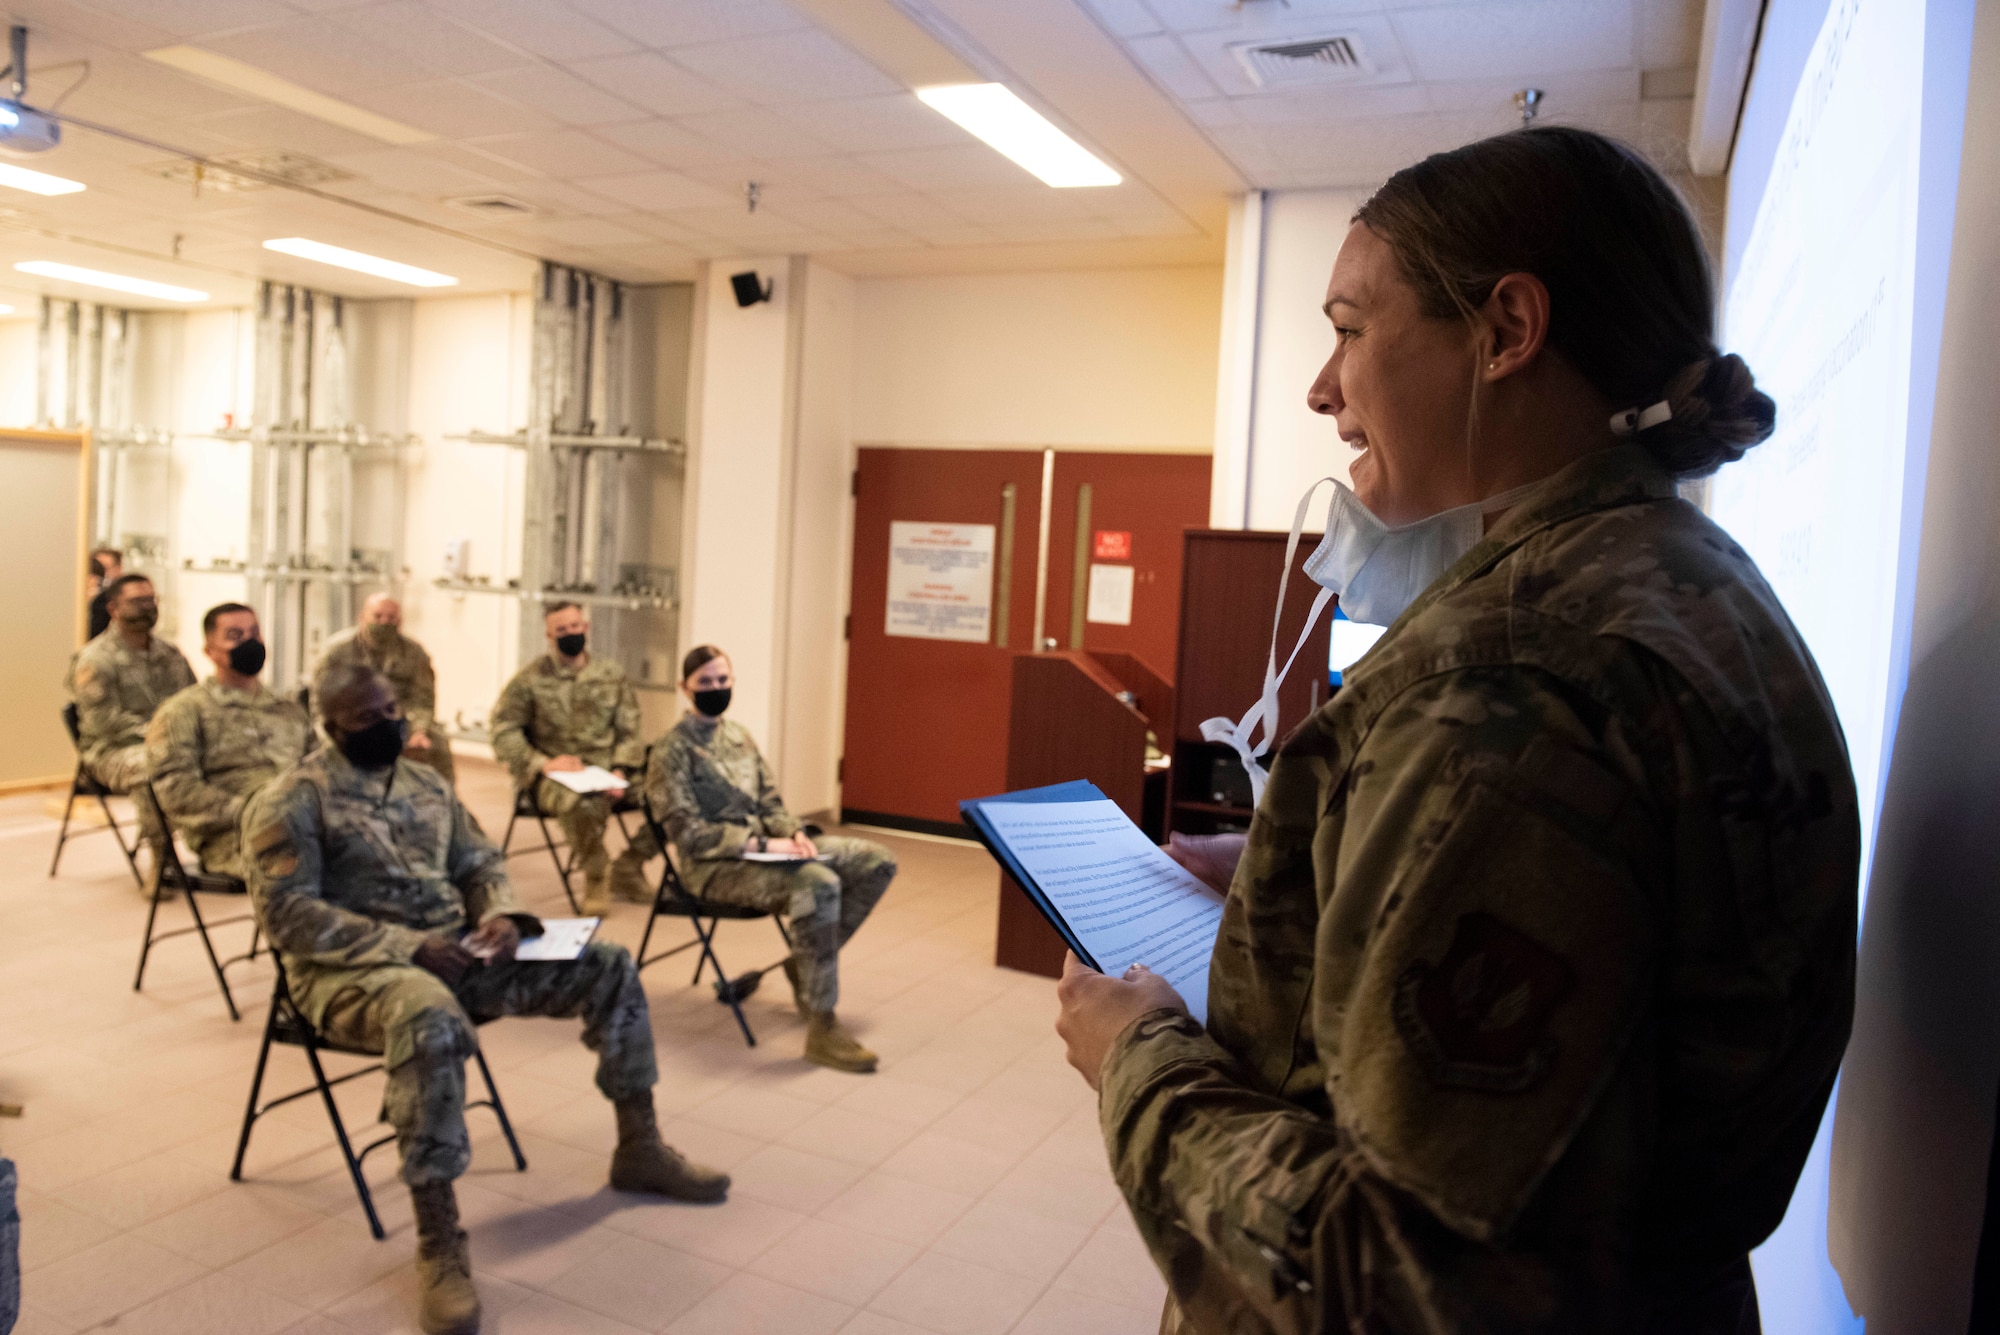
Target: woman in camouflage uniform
<point>1538,965</point>
<point>710,787</point>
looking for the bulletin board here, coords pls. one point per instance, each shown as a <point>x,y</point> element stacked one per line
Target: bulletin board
<point>44,492</point>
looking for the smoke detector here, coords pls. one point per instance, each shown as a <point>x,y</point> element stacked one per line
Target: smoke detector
<point>493,206</point>
<point>236,173</point>
<point>1336,58</point>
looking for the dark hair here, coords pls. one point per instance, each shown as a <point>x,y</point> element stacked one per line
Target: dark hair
<point>698,657</point>
<point>97,566</point>
<point>119,585</point>
<point>550,609</point>
<point>219,611</point>
<point>1631,298</point>
<point>342,682</point>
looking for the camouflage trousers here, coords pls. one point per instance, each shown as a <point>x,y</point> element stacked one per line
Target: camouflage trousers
<point>824,903</point>
<point>425,1031</point>
<point>583,817</point>
<point>124,771</point>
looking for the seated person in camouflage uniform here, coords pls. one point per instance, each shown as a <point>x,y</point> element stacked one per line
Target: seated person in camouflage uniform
<point>119,680</point>
<point>213,745</point>
<point>1535,974</point>
<point>379,642</point>
<point>367,873</point>
<point>709,786</point>
<point>565,711</point>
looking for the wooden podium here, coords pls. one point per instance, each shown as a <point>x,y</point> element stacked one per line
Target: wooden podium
<point>1076,716</point>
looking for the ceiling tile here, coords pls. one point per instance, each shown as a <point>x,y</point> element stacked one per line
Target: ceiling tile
<point>454,109</point>
<point>1255,18</point>
<point>565,199</point>
<point>1123,18</point>
<point>1171,66</point>
<point>658,190</point>
<point>665,144</point>
<point>877,124</point>
<point>836,216</point>
<point>795,178</point>
<point>562,95</point>
<point>755,132</point>
<point>968,165</point>
<point>550,31</point>
<point>445,46</point>
<point>655,83</point>
<point>121,83</point>
<point>1562,94</point>
<point>669,23</point>
<point>1517,38</point>
<point>738,223</point>
<point>418,171</point>
<point>187,18</point>
<point>321,54</point>
<point>909,209</point>
<point>281,127</point>
<point>1335,110</point>
<point>786,67</point>
<point>586,232</point>
<point>565,154</point>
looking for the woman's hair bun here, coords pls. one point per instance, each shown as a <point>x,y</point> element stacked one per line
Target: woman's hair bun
<point>1718,414</point>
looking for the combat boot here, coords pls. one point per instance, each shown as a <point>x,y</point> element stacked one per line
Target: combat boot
<point>830,1045</point>
<point>447,1304</point>
<point>644,1163</point>
<point>628,879</point>
<point>596,894</point>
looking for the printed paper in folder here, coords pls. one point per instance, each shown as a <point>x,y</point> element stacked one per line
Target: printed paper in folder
<point>1111,892</point>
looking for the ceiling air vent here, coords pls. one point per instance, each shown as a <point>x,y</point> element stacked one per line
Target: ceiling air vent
<point>1313,60</point>
<point>493,206</point>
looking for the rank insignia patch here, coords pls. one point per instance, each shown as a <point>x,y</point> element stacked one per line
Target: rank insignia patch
<point>1477,1019</point>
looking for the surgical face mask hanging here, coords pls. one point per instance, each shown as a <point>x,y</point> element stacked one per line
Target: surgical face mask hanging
<point>1376,570</point>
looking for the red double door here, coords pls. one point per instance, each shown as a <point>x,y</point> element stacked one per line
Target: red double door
<point>947,549</point>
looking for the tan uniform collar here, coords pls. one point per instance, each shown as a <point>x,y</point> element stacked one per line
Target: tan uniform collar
<point>229,695</point>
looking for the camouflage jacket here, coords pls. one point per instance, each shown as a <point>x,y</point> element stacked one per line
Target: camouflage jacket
<point>118,689</point>
<point>403,661</point>
<point>351,867</point>
<point>209,747</point>
<point>549,710</point>
<point>1539,964</point>
<point>709,786</point>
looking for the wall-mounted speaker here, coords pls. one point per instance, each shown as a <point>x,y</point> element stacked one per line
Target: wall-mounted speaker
<point>750,289</point>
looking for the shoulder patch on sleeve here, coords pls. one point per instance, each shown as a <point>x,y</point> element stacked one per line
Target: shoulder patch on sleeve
<point>1499,986</point>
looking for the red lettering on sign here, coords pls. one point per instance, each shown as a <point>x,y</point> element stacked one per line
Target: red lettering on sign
<point>1112,545</point>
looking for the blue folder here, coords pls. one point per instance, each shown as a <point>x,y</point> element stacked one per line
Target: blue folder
<point>1078,790</point>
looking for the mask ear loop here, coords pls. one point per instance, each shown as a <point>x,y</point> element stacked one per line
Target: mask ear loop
<point>1239,735</point>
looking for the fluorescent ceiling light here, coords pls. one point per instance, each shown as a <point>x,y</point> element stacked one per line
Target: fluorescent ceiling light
<point>992,112</point>
<point>343,258</point>
<point>117,282</point>
<point>270,88</point>
<point>38,183</point>
<point>6,310</point>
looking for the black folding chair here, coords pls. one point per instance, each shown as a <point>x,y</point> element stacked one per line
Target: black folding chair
<point>82,785</point>
<point>526,804</point>
<point>675,900</point>
<point>288,1025</point>
<point>175,877</point>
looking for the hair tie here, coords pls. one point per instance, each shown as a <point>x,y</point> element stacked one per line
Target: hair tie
<point>1634,420</point>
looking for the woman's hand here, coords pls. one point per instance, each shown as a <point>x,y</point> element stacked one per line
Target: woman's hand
<point>1212,858</point>
<point>1096,1009</point>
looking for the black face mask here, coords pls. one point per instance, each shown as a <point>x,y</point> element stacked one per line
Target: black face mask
<point>712,703</point>
<point>569,646</point>
<point>247,657</point>
<point>375,746</point>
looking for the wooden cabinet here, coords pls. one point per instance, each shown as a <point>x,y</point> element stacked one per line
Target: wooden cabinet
<point>1229,586</point>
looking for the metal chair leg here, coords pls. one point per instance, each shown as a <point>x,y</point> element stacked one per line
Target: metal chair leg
<point>146,946</point>
<point>256,1087</point>
<point>201,930</point>
<point>62,835</point>
<point>346,1147</point>
<point>500,1111</point>
<point>565,861</point>
<point>131,850</point>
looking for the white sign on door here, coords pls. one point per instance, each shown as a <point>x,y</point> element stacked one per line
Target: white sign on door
<point>1110,601</point>
<point>940,581</point>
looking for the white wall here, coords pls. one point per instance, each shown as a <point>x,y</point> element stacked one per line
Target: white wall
<point>468,371</point>
<point>17,371</point>
<point>738,468</point>
<point>1269,446</point>
<point>1102,360</point>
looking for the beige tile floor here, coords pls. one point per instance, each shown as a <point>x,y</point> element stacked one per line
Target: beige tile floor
<point>960,1191</point>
